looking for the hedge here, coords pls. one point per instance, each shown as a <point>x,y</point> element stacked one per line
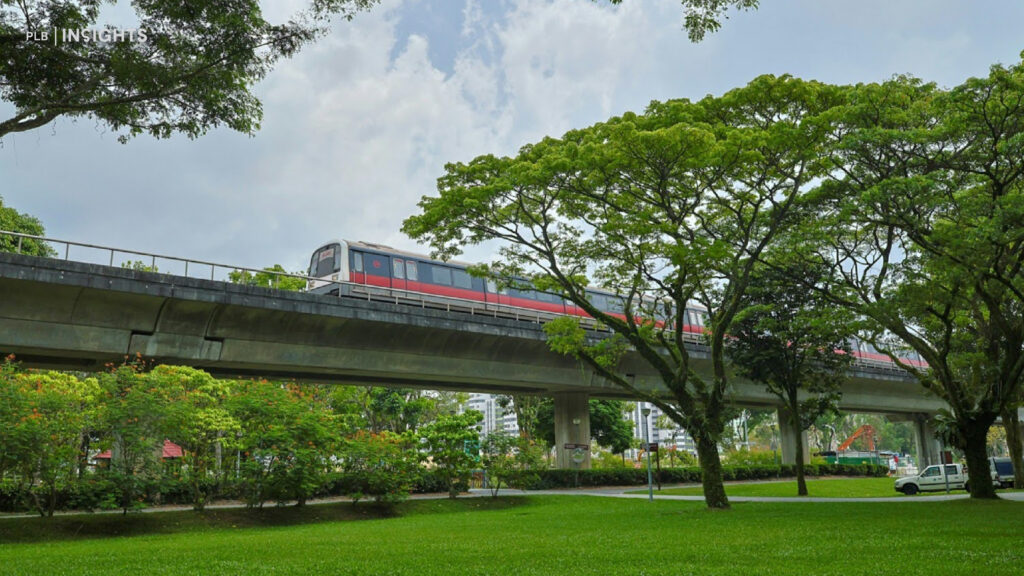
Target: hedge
<point>550,479</point>
<point>96,492</point>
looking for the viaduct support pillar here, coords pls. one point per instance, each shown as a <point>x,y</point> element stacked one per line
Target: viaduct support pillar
<point>572,426</point>
<point>788,433</point>
<point>927,443</point>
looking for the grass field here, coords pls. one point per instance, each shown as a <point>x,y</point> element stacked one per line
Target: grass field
<point>565,535</point>
<point>821,488</point>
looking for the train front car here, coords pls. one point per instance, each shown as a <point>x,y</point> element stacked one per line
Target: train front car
<point>329,265</point>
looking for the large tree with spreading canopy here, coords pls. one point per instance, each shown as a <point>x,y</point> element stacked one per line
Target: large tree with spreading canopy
<point>666,208</point>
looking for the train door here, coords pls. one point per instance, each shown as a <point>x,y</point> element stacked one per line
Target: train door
<point>358,275</point>
<point>398,273</point>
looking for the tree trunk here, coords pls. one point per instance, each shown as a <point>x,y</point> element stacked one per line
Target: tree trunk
<point>711,473</point>
<point>975,439</point>
<point>801,483</point>
<point>1011,421</point>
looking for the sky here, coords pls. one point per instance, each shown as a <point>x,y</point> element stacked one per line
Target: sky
<point>358,127</point>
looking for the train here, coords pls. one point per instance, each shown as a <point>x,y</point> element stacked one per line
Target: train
<point>362,269</point>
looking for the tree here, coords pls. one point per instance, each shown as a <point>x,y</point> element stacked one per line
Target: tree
<point>526,409</point>
<point>199,421</point>
<point>185,68</point>
<point>273,277</point>
<point>1014,444</point>
<point>381,465</point>
<point>448,442</point>
<point>135,427</point>
<point>797,345</point>
<point>668,207</point>
<point>704,16</point>
<point>13,221</point>
<point>509,460</point>
<point>922,228</point>
<point>43,416</point>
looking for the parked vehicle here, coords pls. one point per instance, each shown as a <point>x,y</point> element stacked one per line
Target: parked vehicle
<point>1002,472</point>
<point>934,478</point>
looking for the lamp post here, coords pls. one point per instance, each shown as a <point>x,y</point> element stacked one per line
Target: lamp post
<point>647,448</point>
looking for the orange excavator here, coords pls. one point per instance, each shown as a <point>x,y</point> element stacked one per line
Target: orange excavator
<point>866,431</point>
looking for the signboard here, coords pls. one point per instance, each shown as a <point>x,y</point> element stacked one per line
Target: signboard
<point>578,452</point>
<point>652,446</point>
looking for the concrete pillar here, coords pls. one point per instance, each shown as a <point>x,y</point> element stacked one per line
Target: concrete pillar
<point>572,426</point>
<point>788,432</point>
<point>927,444</point>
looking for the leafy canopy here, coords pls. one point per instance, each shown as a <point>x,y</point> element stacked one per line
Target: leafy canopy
<point>194,70</point>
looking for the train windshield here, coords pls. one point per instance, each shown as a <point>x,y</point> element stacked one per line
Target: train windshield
<point>325,261</point>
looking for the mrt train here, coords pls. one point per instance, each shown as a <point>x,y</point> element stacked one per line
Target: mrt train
<point>359,269</point>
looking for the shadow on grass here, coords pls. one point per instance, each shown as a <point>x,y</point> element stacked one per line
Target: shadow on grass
<point>87,526</point>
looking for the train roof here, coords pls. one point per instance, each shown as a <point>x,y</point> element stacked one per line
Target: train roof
<point>390,250</point>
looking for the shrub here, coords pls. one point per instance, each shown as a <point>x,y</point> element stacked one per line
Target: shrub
<point>379,466</point>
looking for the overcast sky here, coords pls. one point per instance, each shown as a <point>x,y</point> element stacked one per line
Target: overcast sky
<point>358,127</point>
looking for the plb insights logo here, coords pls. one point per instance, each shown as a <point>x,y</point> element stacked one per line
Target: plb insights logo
<point>86,35</point>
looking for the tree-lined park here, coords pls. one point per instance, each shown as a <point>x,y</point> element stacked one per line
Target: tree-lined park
<point>801,215</point>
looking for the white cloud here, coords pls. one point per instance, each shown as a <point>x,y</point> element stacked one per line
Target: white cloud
<point>359,126</point>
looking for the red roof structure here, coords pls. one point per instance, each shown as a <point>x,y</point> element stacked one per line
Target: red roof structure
<point>171,450</point>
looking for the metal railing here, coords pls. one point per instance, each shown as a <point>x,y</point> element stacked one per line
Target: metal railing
<point>352,289</point>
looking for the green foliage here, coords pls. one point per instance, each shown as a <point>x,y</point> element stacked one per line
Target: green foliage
<point>668,207</point>
<point>393,409</point>
<point>43,417</point>
<point>134,427</point>
<point>608,423</point>
<point>382,466</point>
<point>701,17</point>
<point>920,232</point>
<point>272,277</point>
<point>139,266</point>
<point>194,70</point>
<point>444,443</point>
<point>511,461</point>
<point>286,440</point>
<point>200,421</point>
<point>744,457</point>
<point>13,221</point>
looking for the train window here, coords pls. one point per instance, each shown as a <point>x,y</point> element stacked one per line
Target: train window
<point>357,261</point>
<point>616,304</point>
<point>441,275</point>
<point>492,287</point>
<point>399,268</point>
<point>376,265</point>
<point>598,300</point>
<point>325,261</point>
<point>411,272</point>
<point>462,279</point>
<point>312,265</point>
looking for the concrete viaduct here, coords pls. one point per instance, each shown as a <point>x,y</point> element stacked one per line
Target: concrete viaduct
<point>78,316</point>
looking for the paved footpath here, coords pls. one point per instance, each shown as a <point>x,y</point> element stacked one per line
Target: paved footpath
<point>621,492</point>
<point>606,492</point>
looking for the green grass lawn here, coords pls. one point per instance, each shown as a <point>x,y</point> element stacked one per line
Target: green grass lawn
<point>822,488</point>
<point>564,535</point>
